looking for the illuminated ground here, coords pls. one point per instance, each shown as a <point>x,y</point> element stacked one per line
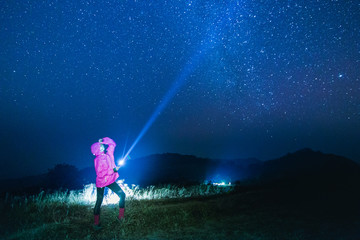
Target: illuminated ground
<point>243,214</point>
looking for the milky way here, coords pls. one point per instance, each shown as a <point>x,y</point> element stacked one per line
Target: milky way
<point>274,77</point>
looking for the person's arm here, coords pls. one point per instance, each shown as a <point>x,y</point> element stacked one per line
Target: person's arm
<point>111,148</point>
<point>112,145</point>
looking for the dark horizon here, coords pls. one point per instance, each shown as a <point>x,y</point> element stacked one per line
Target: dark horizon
<point>220,162</point>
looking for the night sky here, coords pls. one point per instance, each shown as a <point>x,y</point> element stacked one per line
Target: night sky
<point>253,79</point>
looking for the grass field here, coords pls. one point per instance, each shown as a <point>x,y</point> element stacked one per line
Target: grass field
<point>211,213</point>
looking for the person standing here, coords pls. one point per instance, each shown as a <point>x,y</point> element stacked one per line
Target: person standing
<point>106,175</point>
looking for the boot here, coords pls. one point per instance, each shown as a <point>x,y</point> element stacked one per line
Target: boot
<point>96,225</point>
<point>121,214</point>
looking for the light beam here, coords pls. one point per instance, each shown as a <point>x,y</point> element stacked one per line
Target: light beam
<point>212,39</point>
<point>188,69</point>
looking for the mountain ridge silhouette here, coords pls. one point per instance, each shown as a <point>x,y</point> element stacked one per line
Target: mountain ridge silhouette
<point>304,166</point>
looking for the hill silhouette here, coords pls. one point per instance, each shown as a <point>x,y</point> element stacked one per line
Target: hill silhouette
<point>309,167</point>
<point>177,168</point>
<point>302,168</point>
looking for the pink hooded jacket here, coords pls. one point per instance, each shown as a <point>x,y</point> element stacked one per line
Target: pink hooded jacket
<point>104,163</point>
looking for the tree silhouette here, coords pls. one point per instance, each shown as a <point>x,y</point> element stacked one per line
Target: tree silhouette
<point>64,176</point>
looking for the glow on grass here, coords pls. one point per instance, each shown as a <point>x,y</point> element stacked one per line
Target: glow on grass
<point>88,194</point>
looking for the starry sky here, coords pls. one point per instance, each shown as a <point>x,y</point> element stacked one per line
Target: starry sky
<point>254,79</point>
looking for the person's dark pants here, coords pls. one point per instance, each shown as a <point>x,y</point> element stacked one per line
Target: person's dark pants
<point>100,196</point>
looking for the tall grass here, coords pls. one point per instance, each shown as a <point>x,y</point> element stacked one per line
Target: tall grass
<point>173,212</point>
<point>36,216</point>
<point>87,196</point>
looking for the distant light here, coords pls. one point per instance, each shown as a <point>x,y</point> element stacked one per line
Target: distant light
<point>222,184</point>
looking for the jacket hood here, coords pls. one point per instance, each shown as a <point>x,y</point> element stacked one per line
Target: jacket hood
<point>95,149</point>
